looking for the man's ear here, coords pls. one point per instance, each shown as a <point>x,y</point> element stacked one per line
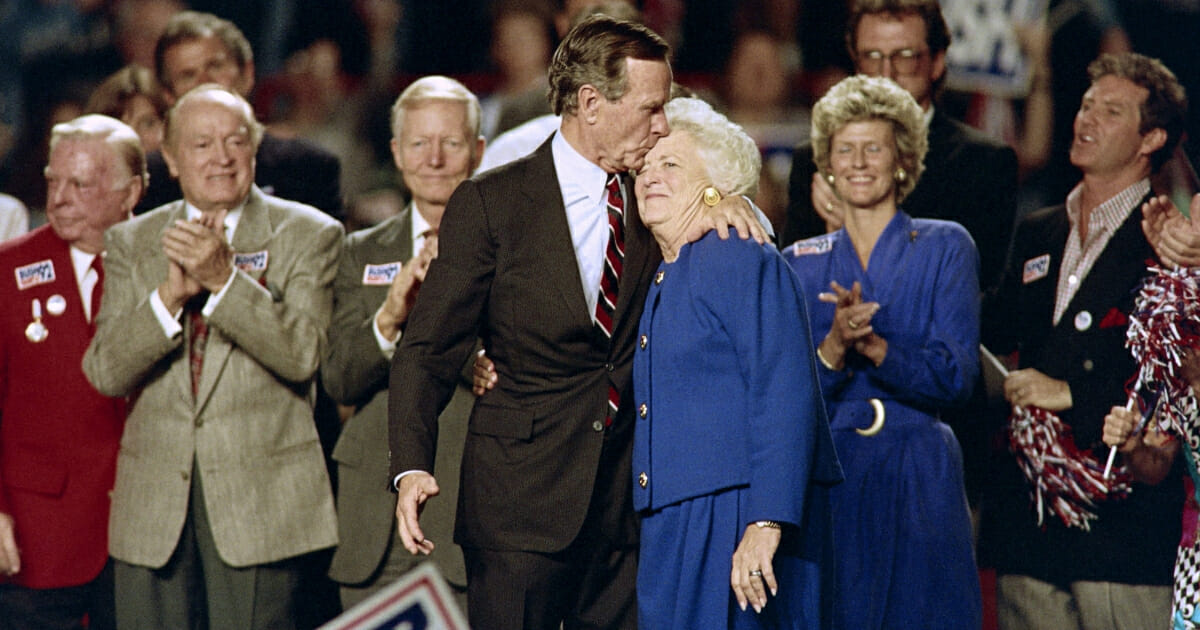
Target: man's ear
<point>1152,141</point>
<point>589,99</point>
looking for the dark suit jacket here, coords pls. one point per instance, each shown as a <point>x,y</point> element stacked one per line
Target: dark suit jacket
<point>507,272</point>
<point>355,372</point>
<point>58,435</point>
<point>1134,540</point>
<point>288,168</point>
<point>969,178</point>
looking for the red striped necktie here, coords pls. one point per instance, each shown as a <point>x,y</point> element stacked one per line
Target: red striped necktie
<point>614,258</point>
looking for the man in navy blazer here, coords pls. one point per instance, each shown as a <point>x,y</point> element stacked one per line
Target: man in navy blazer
<point>1064,306</point>
<point>198,48</point>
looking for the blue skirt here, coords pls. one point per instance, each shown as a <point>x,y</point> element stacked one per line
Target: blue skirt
<point>902,531</point>
<point>687,556</point>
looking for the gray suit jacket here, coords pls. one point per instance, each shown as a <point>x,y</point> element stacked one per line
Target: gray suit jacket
<point>355,372</point>
<point>249,431</point>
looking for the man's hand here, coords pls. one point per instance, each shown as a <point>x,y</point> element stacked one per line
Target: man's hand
<point>1175,238</point>
<point>178,288</point>
<point>402,293</point>
<point>199,247</point>
<point>733,212</point>
<point>754,554</point>
<point>483,375</point>
<point>415,488</point>
<point>10,558</point>
<point>1118,429</point>
<point>827,204</point>
<point>1032,388</point>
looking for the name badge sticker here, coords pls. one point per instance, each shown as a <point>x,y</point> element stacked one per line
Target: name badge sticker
<point>1036,268</point>
<point>251,263</point>
<point>32,275</point>
<point>380,275</point>
<point>808,248</point>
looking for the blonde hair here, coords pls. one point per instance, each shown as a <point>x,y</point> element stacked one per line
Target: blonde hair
<point>862,98</point>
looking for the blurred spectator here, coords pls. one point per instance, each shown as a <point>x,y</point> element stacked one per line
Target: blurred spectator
<point>137,25</point>
<point>201,48</point>
<point>757,93</point>
<point>14,217</point>
<point>522,39</point>
<point>133,96</point>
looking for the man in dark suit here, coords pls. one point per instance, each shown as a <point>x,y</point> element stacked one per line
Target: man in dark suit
<point>58,435</point>
<point>545,517</point>
<point>968,178</point>
<point>435,145</point>
<point>1064,306</point>
<point>200,48</point>
<point>214,319</point>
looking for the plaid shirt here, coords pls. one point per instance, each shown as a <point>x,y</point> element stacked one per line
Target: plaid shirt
<point>1103,221</point>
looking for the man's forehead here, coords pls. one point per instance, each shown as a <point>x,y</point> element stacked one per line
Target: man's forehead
<point>1117,90</point>
<point>904,26</point>
<point>75,154</point>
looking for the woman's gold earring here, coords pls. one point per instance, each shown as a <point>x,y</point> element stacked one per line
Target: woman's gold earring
<point>830,178</point>
<point>711,197</point>
<point>901,174</point>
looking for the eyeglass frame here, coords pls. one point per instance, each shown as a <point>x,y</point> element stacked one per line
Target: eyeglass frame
<point>898,59</point>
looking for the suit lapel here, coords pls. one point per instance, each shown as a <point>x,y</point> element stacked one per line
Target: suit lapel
<point>552,233</point>
<point>253,234</point>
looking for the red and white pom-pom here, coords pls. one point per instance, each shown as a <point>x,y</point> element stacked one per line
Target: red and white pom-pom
<point>1066,482</point>
<point>1163,327</point>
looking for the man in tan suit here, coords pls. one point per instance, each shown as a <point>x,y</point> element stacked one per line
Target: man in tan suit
<point>213,320</point>
<point>435,145</point>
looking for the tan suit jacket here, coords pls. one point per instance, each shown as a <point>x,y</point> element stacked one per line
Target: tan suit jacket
<point>250,428</point>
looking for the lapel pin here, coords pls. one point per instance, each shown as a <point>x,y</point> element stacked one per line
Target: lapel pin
<point>36,330</point>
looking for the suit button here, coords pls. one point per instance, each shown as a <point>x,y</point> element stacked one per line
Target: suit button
<point>643,480</point>
<point>1088,365</point>
<point>597,426</point>
<point>643,341</point>
<point>608,367</point>
<point>183,475</point>
<point>658,277</point>
<point>643,410</point>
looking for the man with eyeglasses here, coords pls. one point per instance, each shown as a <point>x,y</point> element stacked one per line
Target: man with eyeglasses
<point>968,177</point>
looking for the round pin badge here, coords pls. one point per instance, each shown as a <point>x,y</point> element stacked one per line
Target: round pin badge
<point>56,305</point>
<point>1083,321</point>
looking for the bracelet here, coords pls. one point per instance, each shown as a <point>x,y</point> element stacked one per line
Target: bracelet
<point>824,361</point>
<point>771,524</point>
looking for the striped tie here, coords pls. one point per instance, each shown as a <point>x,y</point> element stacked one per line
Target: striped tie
<point>614,258</point>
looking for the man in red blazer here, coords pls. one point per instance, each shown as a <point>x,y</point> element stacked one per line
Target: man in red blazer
<point>58,435</point>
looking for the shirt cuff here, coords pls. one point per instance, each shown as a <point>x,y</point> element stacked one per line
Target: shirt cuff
<point>386,346</point>
<point>210,304</point>
<point>170,323</point>
<point>397,478</point>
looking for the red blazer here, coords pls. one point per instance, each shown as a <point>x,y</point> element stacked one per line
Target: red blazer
<point>58,435</point>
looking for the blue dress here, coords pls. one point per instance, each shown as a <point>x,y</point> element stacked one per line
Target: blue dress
<point>731,430</point>
<point>902,533</point>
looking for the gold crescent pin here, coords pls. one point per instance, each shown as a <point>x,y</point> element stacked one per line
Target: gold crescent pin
<point>877,425</point>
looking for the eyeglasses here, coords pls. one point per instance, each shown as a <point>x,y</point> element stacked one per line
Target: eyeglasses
<point>903,61</point>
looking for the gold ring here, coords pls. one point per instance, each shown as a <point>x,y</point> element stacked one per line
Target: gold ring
<point>852,324</point>
<point>828,206</point>
<point>756,573</point>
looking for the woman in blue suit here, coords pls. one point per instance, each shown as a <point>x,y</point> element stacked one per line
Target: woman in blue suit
<point>733,458</point>
<point>898,341</point>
